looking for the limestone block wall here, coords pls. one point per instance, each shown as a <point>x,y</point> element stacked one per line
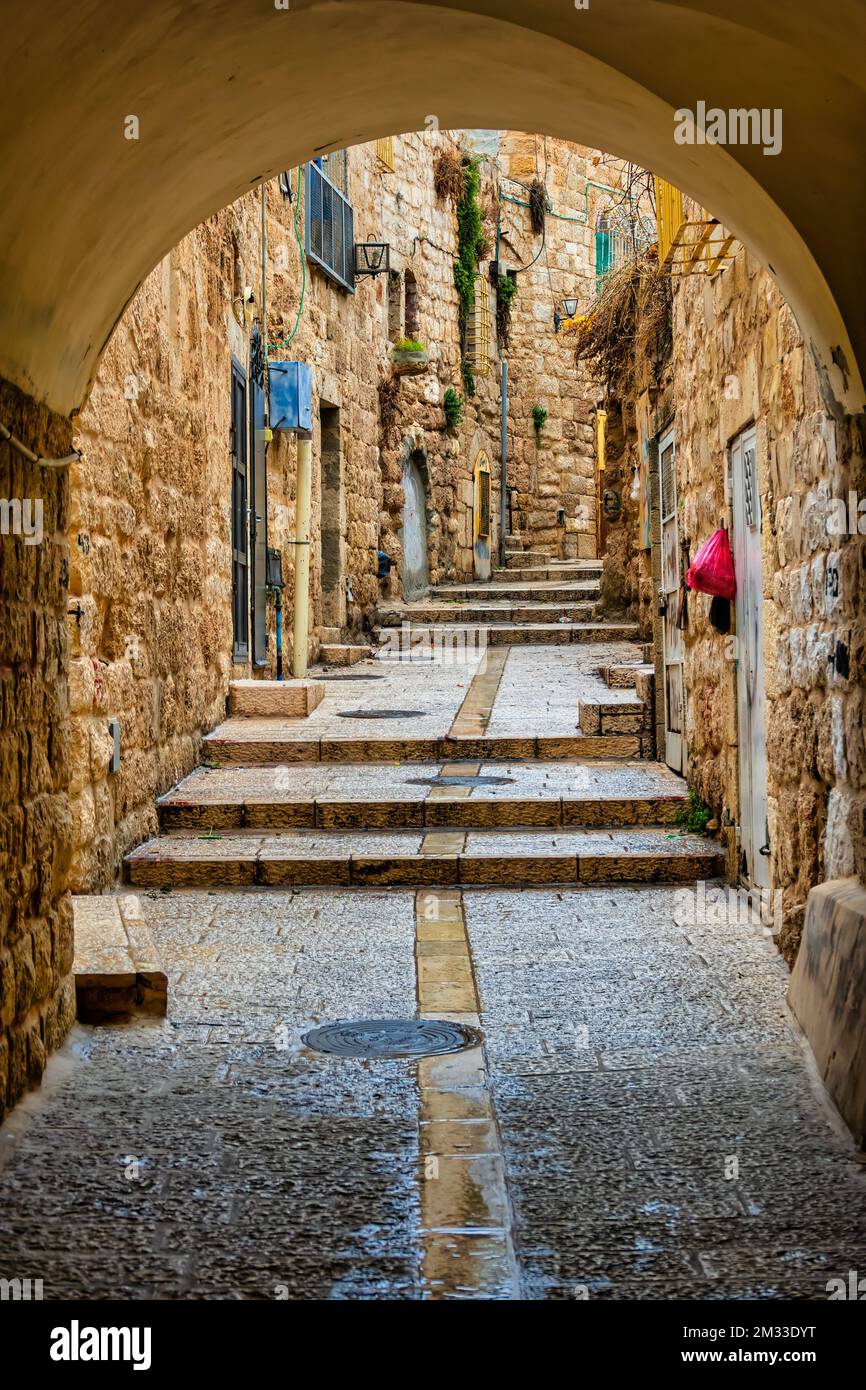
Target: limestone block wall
<point>37,995</point>
<point>554,473</point>
<point>739,358</point>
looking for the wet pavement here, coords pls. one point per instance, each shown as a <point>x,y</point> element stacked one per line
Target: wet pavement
<point>641,1121</point>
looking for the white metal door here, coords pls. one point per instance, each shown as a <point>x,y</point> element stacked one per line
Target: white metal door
<point>752,751</point>
<point>672,637</point>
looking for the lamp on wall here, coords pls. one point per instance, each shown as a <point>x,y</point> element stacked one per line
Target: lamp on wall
<point>372,258</point>
<point>569,309</point>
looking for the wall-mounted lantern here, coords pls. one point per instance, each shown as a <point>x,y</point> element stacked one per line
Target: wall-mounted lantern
<point>372,258</point>
<point>569,308</point>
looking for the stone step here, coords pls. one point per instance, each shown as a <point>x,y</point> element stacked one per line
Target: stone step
<point>116,966</point>
<point>563,572</point>
<point>532,634</point>
<point>615,717</point>
<point>273,743</point>
<point>364,797</point>
<point>625,675</point>
<point>262,699</point>
<point>343,653</point>
<point>488,592</point>
<point>444,857</point>
<point>475,612</point>
<point>518,559</point>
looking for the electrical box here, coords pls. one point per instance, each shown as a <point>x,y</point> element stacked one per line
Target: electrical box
<point>274,578</point>
<point>291,396</point>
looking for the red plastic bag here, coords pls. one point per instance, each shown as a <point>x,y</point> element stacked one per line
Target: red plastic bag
<point>712,570</point>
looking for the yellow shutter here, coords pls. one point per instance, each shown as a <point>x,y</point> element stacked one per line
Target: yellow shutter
<point>669,218</point>
<point>478,329</point>
<point>385,151</point>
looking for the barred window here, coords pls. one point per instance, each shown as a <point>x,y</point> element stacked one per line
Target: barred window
<point>330,222</point>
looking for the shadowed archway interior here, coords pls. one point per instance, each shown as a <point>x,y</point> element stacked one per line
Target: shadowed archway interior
<point>224,95</point>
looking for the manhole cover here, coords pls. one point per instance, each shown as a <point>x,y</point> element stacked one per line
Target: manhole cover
<point>381,713</point>
<point>353,676</point>
<point>457,780</point>
<point>391,1037</point>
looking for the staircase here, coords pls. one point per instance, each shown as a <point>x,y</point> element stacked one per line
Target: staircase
<point>528,762</point>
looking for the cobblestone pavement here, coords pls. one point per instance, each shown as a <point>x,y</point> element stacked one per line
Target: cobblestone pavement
<point>642,1122</point>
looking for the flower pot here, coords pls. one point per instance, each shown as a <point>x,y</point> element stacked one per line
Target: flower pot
<point>405,363</point>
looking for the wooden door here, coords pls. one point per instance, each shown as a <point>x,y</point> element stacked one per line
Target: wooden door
<point>752,741</point>
<point>672,638</point>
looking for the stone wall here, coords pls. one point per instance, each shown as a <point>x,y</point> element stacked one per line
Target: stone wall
<point>739,358</point>
<point>553,472</point>
<point>37,996</point>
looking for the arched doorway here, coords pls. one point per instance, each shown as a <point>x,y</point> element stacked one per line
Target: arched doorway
<point>413,536</point>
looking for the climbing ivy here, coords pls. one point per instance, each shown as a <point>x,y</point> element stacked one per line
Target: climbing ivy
<point>453,407</point>
<point>470,241</point>
<point>506,289</point>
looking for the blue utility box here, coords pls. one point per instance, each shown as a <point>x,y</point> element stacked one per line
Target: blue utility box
<point>291,385</point>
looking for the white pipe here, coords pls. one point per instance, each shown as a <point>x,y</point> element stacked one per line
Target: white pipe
<point>37,458</point>
<point>300,634</point>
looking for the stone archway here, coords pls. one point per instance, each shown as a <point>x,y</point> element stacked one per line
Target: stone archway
<point>175,111</point>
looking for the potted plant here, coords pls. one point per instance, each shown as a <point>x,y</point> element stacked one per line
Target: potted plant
<point>409,357</point>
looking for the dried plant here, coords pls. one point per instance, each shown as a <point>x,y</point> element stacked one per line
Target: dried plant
<point>537,206</point>
<point>629,326</point>
<point>449,174</point>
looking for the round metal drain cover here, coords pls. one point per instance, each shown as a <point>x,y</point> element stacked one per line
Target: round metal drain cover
<point>381,713</point>
<point>459,780</point>
<point>391,1037</point>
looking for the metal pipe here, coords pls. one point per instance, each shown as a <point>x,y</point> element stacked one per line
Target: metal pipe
<point>278,605</point>
<point>300,634</point>
<point>503,468</point>
<point>264,291</point>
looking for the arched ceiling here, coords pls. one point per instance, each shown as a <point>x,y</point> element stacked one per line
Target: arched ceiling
<point>228,92</point>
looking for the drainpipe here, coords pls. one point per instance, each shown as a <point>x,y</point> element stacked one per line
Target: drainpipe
<point>503,454</point>
<point>302,557</point>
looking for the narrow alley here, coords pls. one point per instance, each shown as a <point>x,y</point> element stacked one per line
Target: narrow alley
<point>472,838</point>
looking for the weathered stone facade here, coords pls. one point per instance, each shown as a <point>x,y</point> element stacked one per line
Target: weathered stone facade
<point>552,469</point>
<point>37,995</point>
<point>739,360</point>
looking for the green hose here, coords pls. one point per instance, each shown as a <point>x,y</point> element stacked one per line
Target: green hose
<point>285,341</point>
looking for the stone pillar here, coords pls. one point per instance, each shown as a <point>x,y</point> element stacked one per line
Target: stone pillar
<point>37,990</point>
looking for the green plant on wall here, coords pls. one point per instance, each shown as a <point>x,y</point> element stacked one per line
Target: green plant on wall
<point>539,420</point>
<point>506,289</point>
<point>409,345</point>
<point>695,814</point>
<point>453,407</point>
<point>470,241</point>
